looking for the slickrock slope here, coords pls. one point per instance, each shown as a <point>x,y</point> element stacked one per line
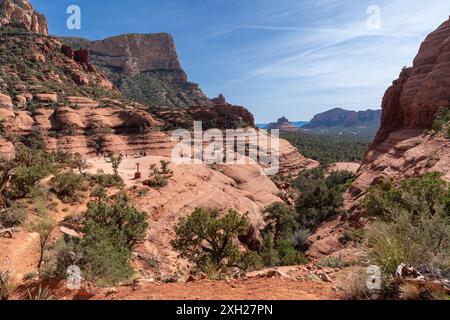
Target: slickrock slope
<point>145,68</point>
<point>241,187</point>
<point>22,14</point>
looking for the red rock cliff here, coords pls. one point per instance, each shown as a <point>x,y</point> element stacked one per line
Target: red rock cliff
<point>21,13</point>
<point>413,99</point>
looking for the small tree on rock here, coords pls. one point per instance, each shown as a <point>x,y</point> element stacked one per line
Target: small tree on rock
<point>206,238</point>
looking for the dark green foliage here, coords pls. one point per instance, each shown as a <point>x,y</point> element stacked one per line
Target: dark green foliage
<point>206,238</point>
<point>111,230</point>
<point>413,224</point>
<point>279,247</point>
<point>319,199</point>
<point>68,186</point>
<point>125,223</point>
<point>13,216</point>
<point>442,117</point>
<point>30,166</point>
<point>105,262</point>
<point>329,149</point>
<point>158,178</point>
<point>106,180</point>
<point>115,161</point>
<point>280,221</point>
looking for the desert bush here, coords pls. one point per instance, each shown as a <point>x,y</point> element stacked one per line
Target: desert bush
<point>356,235</point>
<point>412,224</point>
<point>442,117</point>
<point>107,180</point>
<point>115,161</point>
<point>13,216</point>
<point>355,285</point>
<point>68,186</point>
<point>268,253</point>
<point>317,201</point>
<point>6,286</point>
<point>206,238</point>
<point>280,221</point>
<point>111,230</point>
<point>158,178</point>
<point>333,262</point>
<point>43,227</point>
<point>29,167</point>
<point>78,162</point>
<point>288,254</point>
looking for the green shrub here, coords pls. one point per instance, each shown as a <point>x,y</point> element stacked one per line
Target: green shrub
<point>43,227</point>
<point>280,221</point>
<point>206,238</point>
<point>158,178</point>
<point>68,186</point>
<point>413,224</point>
<point>107,180</point>
<point>30,166</point>
<point>111,231</point>
<point>6,286</point>
<point>317,201</point>
<point>289,255</point>
<point>442,117</point>
<point>13,216</point>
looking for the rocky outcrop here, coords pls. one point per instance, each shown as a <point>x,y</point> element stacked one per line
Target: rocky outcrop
<point>282,124</point>
<point>20,13</point>
<point>137,53</point>
<point>145,68</point>
<point>402,148</point>
<point>413,99</point>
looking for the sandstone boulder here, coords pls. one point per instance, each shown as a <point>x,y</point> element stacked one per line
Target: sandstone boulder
<point>46,97</point>
<point>5,101</point>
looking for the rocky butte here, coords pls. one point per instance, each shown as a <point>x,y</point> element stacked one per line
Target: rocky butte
<point>405,145</point>
<point>145,68</point>
<point>21,13</point>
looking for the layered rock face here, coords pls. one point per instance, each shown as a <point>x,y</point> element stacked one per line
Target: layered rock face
<point>413,99</point>
<point>145,68</point>
<point>136,53</point>
<point>20,13</point>
<point>402,147</point>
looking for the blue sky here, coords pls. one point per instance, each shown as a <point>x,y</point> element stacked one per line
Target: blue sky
<point>284,57</point>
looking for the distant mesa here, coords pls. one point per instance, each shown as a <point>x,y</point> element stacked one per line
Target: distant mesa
<point>282,124</point>
<point>340,121</point>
